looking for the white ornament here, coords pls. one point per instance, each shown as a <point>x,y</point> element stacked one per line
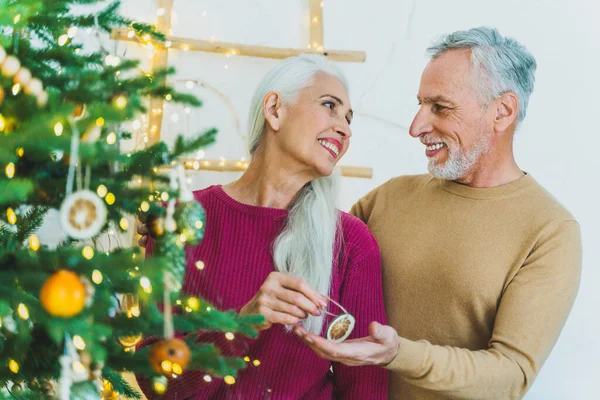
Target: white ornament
<point>42,99</point>
<point>57,155</point>
<point>11,66</point>
<point>23,76</point>
<point>34,87</point>
<point>65,381</point>
<point>92,134</point>
<point>82,214</point>
<point>2,54</point>
<point>340,328</point>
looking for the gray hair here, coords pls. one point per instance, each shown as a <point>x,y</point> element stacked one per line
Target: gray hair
<point>306,246</point>
<point>501,64</point>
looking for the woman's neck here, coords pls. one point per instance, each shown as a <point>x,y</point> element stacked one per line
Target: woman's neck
<point>264,185</point>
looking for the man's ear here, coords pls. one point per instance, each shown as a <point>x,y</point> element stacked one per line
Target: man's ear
<point>273,110</point>
<point>507,111</point>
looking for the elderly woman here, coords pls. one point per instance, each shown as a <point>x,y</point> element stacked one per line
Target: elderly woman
<point>276,245</point>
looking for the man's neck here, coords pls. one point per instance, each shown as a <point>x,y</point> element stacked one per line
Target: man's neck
<point>489,173</point>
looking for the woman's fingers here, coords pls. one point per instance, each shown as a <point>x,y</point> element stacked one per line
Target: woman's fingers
<point>286,308</point>
<point>276,317</point>
<point>296,291</point>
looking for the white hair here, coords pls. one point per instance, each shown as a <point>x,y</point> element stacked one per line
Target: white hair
<point>306,246</point>
<point>501,64</point>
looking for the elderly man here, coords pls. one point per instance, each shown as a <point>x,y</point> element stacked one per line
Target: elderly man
<point>481,265</point>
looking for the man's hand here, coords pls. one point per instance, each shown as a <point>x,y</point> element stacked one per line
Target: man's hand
<point>284,299</point>
<point>142,229</point>
<point>379,348</point>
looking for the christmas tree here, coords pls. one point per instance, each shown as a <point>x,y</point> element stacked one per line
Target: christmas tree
<point>70,315</point>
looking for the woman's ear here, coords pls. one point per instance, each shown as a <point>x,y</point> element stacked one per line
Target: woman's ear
<point>273,110</point>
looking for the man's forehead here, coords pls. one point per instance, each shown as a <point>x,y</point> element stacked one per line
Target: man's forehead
<point>446,74</point>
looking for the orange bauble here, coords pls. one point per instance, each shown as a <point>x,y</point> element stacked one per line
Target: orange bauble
<point>63,294</point>
<point>169,356</point>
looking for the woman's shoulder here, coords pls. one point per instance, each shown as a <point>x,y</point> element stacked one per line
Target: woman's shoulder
<point>357,239</point>
<point>203,195</point>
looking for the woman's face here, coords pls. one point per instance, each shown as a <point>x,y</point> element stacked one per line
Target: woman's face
<point>315,131</point>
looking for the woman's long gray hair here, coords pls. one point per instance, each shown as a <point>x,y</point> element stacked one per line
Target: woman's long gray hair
<point>306,246</point>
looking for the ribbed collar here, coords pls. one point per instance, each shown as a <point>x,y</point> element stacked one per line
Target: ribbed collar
<point>223,197</point>
<point>458,189</point>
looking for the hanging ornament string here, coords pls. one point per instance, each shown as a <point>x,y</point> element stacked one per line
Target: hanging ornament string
<point>170,226</point>
<point>337,304</point>
<point>74,157</point>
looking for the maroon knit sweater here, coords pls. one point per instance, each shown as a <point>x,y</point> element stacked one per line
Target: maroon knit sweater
<point>237,253</point>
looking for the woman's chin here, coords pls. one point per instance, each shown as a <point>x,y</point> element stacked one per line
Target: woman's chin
<point>325,169</point>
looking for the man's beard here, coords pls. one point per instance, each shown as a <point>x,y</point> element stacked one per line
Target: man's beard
<point>459,161</point>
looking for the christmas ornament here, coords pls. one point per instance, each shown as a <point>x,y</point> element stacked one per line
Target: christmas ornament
<point>23,77</point>
<point>42,99</point>
<point>82,214</point>
<point>63,294</point>
<point>156,225</point>
<point>2,54</point>
<point>79,112</point>
<point>34,87</point>
<point>108,392</point>
<point>92,134</point>
<point>129,342</point>
<point>341,327</point>
<point>169,356</point>
<point>130,304</point>
<point>1,96</point>
<point>10,66</point>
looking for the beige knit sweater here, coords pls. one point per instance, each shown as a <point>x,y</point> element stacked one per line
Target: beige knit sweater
<point>477,282</point>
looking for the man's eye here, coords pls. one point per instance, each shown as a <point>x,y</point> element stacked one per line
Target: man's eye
<point>436,108</point>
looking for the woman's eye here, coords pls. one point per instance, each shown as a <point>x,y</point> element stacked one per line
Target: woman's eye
<point>329,104</point>
<point>349,121</point>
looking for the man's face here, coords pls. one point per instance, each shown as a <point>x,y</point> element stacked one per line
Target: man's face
<point>451,122</point>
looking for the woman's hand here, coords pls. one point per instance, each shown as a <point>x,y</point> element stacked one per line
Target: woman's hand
<point>284,299</point>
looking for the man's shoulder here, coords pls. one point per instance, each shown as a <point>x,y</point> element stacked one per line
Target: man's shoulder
<point>404,183</point>
<point>548,207</point>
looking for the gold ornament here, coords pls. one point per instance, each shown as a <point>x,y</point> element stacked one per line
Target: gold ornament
<point>63,294</point>
<point>11,66</point>
<point>1,98</point>
<point>130,304</point>
<point>83,214</point>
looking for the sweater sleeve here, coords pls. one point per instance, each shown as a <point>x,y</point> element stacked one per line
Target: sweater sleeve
<point>362,295</point>
<point>530,317</point>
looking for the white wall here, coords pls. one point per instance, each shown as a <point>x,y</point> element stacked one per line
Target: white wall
<point>558,143</point>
